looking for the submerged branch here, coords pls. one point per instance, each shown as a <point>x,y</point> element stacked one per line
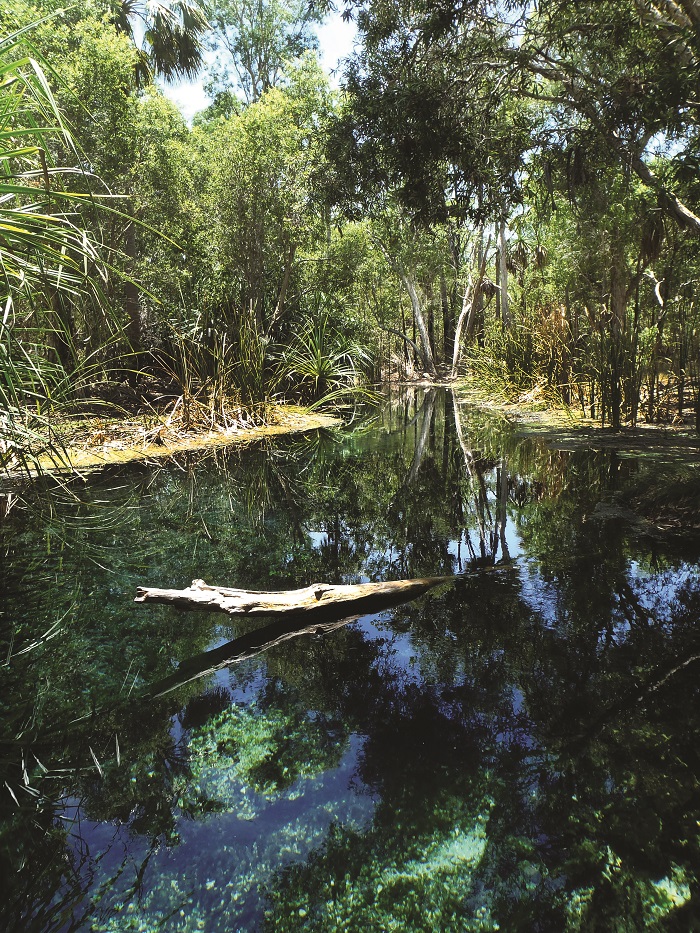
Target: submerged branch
<point>241,649</point>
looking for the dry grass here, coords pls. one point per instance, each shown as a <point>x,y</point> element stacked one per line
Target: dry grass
<point>87,443</point>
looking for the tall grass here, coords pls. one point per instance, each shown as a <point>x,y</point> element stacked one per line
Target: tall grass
<point>226,377</point>
<point>201,365</point>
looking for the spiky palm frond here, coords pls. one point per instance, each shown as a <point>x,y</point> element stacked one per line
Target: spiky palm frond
<point>172,36</point>
<point>320,364</point>
<point>46,256</point>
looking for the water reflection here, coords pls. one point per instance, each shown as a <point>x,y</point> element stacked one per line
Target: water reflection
<point>518,751</point>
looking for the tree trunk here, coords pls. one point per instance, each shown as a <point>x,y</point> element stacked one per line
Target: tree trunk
<point>426,351</point>
<point>447,322</point>
<point>470,304</point>
<point>503,276</point>
<point>407,341</point>
<point>618,309</point>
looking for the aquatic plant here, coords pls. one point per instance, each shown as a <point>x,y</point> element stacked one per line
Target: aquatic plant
<point>389,877</point>
<point>267,749</point>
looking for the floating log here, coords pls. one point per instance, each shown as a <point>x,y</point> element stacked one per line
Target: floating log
<point>351,598</point>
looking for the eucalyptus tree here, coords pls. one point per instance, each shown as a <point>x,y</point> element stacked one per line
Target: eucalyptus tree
<point>451,160</point>
<point>257,39</point>
<point>480,96</point>
<point>619,74</point>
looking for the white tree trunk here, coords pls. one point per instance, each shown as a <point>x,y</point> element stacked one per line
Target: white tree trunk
<point>469,305</point>
<point>503,277</point>
<point>427,358</point>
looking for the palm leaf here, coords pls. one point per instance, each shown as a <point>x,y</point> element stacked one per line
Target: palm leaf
<point>45,252</point>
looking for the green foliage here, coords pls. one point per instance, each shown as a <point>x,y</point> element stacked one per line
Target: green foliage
<point>319,364</point>
<point>402,131</point>
<point>261,199</point>
<point>50,263</point>
<point>171,32</point>
<point>257,41</point>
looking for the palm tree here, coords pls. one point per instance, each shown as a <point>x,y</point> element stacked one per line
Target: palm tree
<point>168,35</point>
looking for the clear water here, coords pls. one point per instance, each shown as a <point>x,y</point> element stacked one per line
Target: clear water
<point>518,751</point>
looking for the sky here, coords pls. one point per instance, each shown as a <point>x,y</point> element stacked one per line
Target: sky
<point>336,39</point>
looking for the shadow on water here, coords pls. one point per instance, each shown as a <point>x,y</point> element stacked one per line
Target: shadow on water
<point>517,752</point>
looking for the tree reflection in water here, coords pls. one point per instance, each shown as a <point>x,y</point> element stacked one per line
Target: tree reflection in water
<point>518,751</point>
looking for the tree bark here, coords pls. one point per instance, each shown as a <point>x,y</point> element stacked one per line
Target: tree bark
<point>447,322</point>
<point>618,308</point>
<point>131,294</point>
<point>470,304</point>
<point>426,350</point>
<point>405,338</point>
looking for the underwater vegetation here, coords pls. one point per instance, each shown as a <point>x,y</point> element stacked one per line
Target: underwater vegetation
<point>514,752</point>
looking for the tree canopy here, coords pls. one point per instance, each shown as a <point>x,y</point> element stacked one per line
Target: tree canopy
<point>507,189</point>
<point>442,82</point>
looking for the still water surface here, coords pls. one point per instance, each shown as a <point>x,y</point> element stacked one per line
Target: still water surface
<point>518,751</point>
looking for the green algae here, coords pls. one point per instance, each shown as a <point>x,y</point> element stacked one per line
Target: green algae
<point>265,749</point>
<point>656,900</point>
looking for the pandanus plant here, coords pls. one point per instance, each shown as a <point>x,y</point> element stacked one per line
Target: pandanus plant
<point>321,364</point>
<point>48,261</point>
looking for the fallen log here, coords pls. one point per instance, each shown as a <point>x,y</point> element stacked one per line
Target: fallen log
<point>351,598</point>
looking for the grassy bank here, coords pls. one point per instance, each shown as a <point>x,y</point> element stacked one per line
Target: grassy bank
<point>91,442</point>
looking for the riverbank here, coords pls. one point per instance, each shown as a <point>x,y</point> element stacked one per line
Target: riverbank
<point>534,413</point>
<point>663,500</point>
<point>84,444</point>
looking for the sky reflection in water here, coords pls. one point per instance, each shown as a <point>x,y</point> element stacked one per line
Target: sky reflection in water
<point>517,751</point>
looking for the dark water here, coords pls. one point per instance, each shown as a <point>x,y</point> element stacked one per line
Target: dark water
<point>519,751</point>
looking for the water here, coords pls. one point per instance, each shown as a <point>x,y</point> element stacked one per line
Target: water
<point>518,751</point>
